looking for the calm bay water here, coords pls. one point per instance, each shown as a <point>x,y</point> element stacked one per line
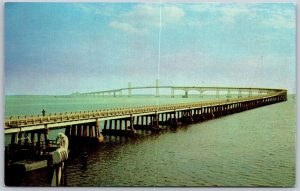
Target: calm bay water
<point>252,148</point>
<point>33,105</point>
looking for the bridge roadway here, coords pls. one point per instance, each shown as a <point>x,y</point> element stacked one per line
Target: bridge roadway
<point>185,89</point>
<point>29,135</point>
<point>33,123</point>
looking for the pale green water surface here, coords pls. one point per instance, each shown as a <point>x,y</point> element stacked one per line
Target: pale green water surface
<point>252,148</point>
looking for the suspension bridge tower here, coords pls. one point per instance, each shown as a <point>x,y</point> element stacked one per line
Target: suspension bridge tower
<point>129,89</point>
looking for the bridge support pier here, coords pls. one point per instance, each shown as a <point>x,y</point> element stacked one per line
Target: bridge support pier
<point>240,93</point>
<point>172,92</point>
<point>186,94</point>
<point>151,123</point>
<point>198,115</point>
<point>186,117</point>
<point>217,93</point>
<point>228,93</point>
<point>250,93</point>
<point>201,94</point>
<point>121,127</point>
<point>87,132</point>
<point>23,145</point>
<point>129,89</point>
<point>172,121</point>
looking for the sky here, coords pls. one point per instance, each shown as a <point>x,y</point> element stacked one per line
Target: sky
<point>62,48</point>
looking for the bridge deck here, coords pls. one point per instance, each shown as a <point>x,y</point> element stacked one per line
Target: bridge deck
<point>187,88</point>
<point>57,121</point>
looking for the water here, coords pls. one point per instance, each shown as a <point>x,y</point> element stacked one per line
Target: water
<point>252,148</point>
<point>33,105</point>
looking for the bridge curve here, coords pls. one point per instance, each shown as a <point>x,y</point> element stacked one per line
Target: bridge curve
<point>14,125</point>
<point>186,89</point>
<point>91,126</point>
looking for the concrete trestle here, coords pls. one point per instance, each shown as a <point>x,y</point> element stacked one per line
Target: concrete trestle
<point>91,126</point>
<point>86,132</point>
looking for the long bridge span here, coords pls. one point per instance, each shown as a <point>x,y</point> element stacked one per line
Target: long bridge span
<point>229,91</point>
<point>92,125</point>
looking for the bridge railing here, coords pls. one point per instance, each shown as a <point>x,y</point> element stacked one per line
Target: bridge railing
<point>73,116</point>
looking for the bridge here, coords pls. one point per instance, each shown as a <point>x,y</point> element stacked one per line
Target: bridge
<point>239,91</point>
<point>92,125</point>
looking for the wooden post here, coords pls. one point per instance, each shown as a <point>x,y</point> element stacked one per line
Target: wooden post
<point>175,119</point>
<point>91,133</point>
<point>137,120</point>
<point>72,128</point>
<point>152,120</point>
<point>86,130</point>
<point>19,138</point>
<point>115,121</point>
<point>105,124</point>
<point>157,119</point>
<point>126,127</point>
<point>97,133</point>
<point>13,138</point>
<point>25,138</point>
<point>81,130</point>
<point>120,124</point>
<point>76,130</point>
<point>32,137</point>
<point>146,119</point>
<point>110,124</point>
<point>39,142</point>
<point>90,128</point>
<point>67,130</point>
<point>131,122</point>
<point>46,133</point>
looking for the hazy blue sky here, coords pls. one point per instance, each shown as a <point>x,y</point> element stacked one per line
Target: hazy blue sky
<point>60,48</point>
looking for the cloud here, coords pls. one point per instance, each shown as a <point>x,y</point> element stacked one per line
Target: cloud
<point>227,13</point>
<point>172,14</point>
<point>279,22</point>
<point>97,9</point>
<point>126,27</point>
<point>196,23</point>
<point>150,14</point>
<point>270,15</point>
<point>280,18</point>
<point>142,17</point>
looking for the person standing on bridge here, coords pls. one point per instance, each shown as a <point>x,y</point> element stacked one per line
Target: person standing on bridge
<point>43,112</point>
